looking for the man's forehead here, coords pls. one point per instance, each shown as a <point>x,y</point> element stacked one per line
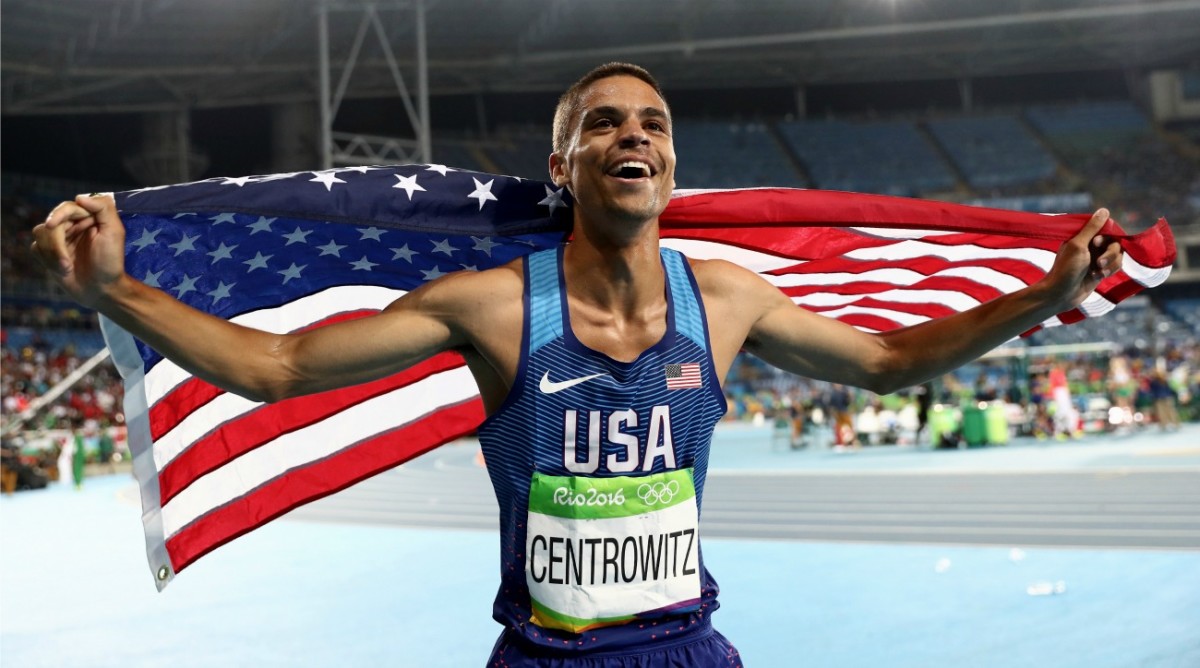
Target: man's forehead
<point>622,92</point>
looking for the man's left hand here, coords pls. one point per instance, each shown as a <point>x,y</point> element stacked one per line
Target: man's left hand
<point>1088,258</point>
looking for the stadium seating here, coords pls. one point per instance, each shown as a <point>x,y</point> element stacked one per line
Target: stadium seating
<point>890,157</point>
<point>993,151</point>
<point>730,155</point>
<point>523,155</point>
<point>1090,127</point>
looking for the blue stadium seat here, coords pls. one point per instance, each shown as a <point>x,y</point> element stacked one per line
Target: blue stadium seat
<point>889,157</point>
<point>994,151</point>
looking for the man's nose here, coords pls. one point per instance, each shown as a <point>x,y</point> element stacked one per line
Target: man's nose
<point>633,134</point>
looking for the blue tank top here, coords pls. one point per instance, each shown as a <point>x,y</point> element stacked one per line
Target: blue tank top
<point>599,467</point>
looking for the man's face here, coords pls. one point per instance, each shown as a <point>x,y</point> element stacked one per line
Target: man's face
<point>620,161</point>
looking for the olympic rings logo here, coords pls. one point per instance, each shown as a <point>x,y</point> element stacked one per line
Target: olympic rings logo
<point>658,492</point>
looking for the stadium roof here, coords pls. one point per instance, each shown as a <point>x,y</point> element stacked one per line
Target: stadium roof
<point>82,56</point>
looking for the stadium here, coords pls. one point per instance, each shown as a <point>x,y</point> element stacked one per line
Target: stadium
<point>1036,506</point>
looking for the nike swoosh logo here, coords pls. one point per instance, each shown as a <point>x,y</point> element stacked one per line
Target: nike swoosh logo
<point>549,387</point>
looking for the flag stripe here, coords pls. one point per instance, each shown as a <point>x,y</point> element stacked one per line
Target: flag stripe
<point>301,447</point>
<point>194,393</point>
<point>236,436</point>
<point>295,488</point>
<point>165,375</point>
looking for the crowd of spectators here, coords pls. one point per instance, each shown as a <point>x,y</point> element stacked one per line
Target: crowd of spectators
<point>1120,392</point>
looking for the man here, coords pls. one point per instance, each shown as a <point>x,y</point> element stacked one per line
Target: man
<point>599,364</point>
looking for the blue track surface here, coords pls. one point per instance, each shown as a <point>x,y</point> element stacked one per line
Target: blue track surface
<point>75,591</point>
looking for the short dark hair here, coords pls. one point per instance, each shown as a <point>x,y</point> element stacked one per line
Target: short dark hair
<point>568,104</point>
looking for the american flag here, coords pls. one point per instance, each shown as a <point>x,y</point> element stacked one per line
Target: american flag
<point>682,376</point>
<point>286,252</point>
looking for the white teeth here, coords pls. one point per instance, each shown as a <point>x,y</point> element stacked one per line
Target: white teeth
<point>634,164</point>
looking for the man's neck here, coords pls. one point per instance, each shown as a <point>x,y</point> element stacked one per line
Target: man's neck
<point>619,275</point>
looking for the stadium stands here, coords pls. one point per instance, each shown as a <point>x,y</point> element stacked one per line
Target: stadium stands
<point>1089,128</point>
<point>993,151</point>
<point>888,157</point>
<point>716,154</point>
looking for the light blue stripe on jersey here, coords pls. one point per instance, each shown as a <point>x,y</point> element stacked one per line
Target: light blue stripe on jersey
<point>545,316</point>
<point>688,319</point>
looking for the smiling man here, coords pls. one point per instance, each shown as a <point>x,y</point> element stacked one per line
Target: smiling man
<point>600,365</point>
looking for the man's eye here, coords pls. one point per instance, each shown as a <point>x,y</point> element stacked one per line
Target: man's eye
<point>657,127</point>
<point>603,123</point>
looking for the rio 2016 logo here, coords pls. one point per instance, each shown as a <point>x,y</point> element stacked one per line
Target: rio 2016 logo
<point>659,492</point>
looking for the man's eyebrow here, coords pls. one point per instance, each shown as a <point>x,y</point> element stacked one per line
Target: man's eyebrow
<point>609,110</point>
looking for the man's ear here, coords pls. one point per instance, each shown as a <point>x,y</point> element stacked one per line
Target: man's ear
<point>558,171</point>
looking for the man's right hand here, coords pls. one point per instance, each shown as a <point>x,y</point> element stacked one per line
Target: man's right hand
<point>82,243</point>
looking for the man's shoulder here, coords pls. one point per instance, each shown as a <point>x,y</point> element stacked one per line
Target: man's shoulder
<point>506,280</point>
<point>721,276</point>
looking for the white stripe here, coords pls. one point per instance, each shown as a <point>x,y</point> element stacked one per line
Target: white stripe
<point>712,250</point>
<point>1096,305</point>
<point>908,250</point>
<point>1143,274</point>
<point>305,446</point>
<point>904,319</point>
<point>220,410</point>
<point>1003,282</point>
<point>900,277</point>
<point>955,300</point>
<point>166,375</point>
<point>900,233</point>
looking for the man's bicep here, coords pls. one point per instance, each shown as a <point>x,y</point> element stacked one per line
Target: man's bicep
<point>408,331</point>
<point>812,345</point>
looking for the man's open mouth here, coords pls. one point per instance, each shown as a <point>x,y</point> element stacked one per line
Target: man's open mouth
<point>631,169</point>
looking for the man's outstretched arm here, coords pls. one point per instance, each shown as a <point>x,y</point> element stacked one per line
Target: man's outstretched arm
<point>82,243</point>
<point>811,345</point>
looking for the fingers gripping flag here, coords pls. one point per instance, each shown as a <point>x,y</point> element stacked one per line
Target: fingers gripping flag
<point>288,252</point>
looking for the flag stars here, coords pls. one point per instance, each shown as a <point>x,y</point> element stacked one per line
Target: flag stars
<point>484,245</point>
<point>482,192</point>
<point>327,179</point>
<point>373,233</point>
<point>238,181</point>
<point>364,264</point>
<point>221,291</point>
<point>188,284</point>
<point>431,274</point>
<point>223,218</point>
<point>185,244</point>
<point>440,169</point>
<point>259,261</point>
<point>332,248</point>
<point>297,236</point>
<point>222,252</point>
<point>403,253</point>
<point>148,238</point>
<point>553,199</point>
<point>151,278</point>
<point>408,184</point>
<point>263,224</point>
<point>444,247</point>
<point>291,272</point>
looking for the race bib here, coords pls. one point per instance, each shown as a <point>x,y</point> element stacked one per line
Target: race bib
<point>606,551</point>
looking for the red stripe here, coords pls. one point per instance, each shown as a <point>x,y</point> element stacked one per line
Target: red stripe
<point>303,485</point>
<point>869,321</point>
<point>977,291</point>
<point>192,394</point>
<point>251,430</point>
<point>776,207</point>
<point>927,265</point>
<point>927,309</point>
